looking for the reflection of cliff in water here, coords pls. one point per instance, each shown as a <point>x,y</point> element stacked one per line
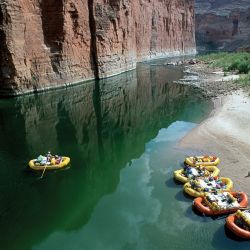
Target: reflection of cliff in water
<point>101,126</point>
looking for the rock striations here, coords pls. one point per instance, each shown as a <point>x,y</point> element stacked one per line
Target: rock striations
<point>51,43</point>
<point>223,25</point>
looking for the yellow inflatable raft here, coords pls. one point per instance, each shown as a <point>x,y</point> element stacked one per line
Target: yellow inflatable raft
<point>64,162</point>
<point>203,160</point>
<point>198,190</point>
<point>209,170</point>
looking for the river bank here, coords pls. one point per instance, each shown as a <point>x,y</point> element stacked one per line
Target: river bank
<point>226,132</point>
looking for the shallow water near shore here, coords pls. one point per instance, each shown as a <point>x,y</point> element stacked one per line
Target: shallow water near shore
<point>118,193</point>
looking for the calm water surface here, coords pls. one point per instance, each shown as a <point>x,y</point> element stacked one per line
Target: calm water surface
<point>122,135</point>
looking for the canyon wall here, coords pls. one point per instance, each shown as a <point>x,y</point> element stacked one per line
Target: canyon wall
<point>51,43</point>
<point>223,25</point>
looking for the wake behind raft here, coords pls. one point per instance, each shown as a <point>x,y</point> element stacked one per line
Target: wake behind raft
<point>49,162</point>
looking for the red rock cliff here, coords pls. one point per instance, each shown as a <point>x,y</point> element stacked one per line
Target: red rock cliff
<point>51,43</point>
<point>223,24</point>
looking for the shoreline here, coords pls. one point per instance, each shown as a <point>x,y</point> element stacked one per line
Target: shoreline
<point>226,132</point>
<point>10,93</point>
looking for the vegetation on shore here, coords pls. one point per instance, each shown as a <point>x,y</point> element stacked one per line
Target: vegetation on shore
<point>238,62</point>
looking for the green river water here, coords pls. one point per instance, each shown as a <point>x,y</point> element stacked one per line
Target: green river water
<point>122,135</point>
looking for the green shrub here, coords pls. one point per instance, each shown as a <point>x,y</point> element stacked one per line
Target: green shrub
<point>234,65</point>
<point>229,61</point>
<point>244,67</point>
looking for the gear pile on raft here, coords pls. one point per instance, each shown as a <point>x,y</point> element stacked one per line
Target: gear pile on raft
<point>213,193</point>
<point>49,161</point>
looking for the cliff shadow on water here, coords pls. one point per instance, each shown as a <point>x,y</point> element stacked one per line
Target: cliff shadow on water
<point>102,126</point>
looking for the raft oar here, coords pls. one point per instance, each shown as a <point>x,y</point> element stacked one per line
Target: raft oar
<point>244,208</point>
<point>43,172</point>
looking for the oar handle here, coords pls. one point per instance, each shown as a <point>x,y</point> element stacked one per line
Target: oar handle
<point>43,171</point>
<point>244,208</point>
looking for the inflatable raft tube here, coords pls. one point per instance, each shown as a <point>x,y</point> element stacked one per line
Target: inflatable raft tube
<point>192,192</point>
<point>199,204</point>
<point>65,161</point>
<point>230,223</point>
<point>178,174</point>
<point>202,161</point>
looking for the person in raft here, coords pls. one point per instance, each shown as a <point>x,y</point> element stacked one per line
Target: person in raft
<point>56,160</point>
<point>49,156</point>
<point>49,159</point>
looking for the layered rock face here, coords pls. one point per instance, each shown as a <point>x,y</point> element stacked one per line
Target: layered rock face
<point>223,25</point>
<point>50,43</point>
<point>45,43</point>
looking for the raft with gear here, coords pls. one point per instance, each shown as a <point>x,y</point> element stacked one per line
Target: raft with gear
<point>204,160</point>
<point>221,203</point>
<point>213,193</point>
<point>200,186</point>
<point>49,162</point>
<point>188,172</point>
<point>239,223</point>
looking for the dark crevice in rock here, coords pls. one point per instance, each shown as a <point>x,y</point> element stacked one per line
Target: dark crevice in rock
<point>7,69</point>
<point>115,29</point>
<point>74,15</point>
<point>52,24</point>
<point>53,30</point>
<point>153,41</point>
<point>114,3</point>
<point>166,24</point>
<point>93,46</point>
<point>235,26</point>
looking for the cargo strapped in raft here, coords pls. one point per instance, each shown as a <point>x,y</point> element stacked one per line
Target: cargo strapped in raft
<point>239,223</point>
<point>204,160</point>
<point>188,172</point>
<point>200,186</point>
<point>49,162</point>
<point>221,203</point>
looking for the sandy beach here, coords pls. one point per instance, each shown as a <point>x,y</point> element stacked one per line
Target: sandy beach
<point>226,133</point>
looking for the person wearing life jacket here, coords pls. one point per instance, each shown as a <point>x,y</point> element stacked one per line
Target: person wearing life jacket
<point>58,159</point>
